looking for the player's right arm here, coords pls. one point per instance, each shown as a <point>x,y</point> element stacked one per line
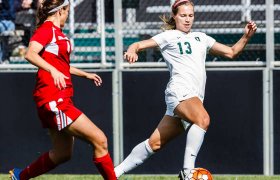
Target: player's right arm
<point>32,55</point>
<point>131,54</point>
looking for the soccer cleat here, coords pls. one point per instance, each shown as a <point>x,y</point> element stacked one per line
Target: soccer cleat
<point>183,174</point>
<point>14,174</point>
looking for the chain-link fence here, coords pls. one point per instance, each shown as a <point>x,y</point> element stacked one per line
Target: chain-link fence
<point>224,20</point>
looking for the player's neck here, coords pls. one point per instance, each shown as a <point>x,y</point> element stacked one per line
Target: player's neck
<point>54,20</point>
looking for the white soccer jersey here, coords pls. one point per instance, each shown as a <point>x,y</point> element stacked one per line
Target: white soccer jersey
<point>185,55</point>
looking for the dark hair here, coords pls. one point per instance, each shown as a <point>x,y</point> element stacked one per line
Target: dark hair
<point>169,22</point>
<point>44,8</point>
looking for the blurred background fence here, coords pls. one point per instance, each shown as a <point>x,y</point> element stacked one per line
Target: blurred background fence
<point>92,28</point>
<point>101,30</point>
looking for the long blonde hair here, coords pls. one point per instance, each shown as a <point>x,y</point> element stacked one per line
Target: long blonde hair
<point>168,20</point>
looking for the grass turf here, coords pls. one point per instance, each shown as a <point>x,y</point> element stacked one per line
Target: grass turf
<point>144,177</point>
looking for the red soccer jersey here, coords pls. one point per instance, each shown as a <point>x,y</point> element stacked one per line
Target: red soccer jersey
<point>56,51</point>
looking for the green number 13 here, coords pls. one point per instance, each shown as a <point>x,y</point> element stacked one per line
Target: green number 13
<point>188,47</point>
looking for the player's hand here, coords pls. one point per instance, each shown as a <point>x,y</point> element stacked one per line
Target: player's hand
<point>59,79</point>
<point>95,78</point>
<point>130,57</point>
<point>250,28</point>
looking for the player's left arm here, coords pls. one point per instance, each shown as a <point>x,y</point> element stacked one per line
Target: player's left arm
<point>232,52</point>
<point>92,76</point>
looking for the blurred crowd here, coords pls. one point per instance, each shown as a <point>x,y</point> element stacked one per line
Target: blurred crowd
<point>17,22</point>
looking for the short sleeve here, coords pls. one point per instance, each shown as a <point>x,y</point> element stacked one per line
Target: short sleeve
<point>160,39</point>
<point>209,41</point>
<point>43,36</point>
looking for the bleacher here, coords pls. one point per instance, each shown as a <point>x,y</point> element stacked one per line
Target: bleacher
<point>225,25</point>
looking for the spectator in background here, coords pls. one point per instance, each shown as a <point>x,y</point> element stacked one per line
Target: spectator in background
<point>7,22</point>
<point>26,20</point>
<point>27,4</point>
<point>7,25</point>
<point>8,13</point>
<point>26,15</point>
<point>7,16</point>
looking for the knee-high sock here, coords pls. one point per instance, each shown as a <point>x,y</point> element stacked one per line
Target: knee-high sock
<point>195,138</point>
<point>138,155</point>
<point>105,167</point>
<point>42,165</point>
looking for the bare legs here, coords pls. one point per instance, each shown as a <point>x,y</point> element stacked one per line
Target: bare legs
<point>193,110</point>
<point>85,129</point>
<point>170,127</point>
<point>62,149</point>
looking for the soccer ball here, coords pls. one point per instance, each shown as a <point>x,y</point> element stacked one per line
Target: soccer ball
<point>199,174</point>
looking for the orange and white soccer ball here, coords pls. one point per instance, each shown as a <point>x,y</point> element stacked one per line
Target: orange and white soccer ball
<point>199,174</point>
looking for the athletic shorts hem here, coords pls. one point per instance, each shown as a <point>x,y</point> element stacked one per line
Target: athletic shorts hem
<point>58,114</point>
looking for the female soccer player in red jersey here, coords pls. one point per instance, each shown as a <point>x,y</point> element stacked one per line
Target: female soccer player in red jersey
<point>184,52</point>
<point>49,49</point>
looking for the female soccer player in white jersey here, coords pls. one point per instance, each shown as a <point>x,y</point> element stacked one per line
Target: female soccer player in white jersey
<point>49,49</point>
<point>184,52</point>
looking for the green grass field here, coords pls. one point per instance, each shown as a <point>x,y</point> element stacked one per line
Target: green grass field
<point>143,177</point>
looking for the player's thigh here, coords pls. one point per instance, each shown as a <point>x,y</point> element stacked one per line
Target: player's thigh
<point>191,109</point>
<point>61,140</point>
<point>62,145</point>
<point>168,128</point>
<point>84,128</point>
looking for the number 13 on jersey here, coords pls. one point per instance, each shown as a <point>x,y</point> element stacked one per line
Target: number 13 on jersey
<point>185,47</point>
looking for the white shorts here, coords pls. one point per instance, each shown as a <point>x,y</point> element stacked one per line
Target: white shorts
<point>174,96</point>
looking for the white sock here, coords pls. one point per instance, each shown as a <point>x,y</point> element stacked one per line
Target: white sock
<point>195,138</point>
<point>138,155</point>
